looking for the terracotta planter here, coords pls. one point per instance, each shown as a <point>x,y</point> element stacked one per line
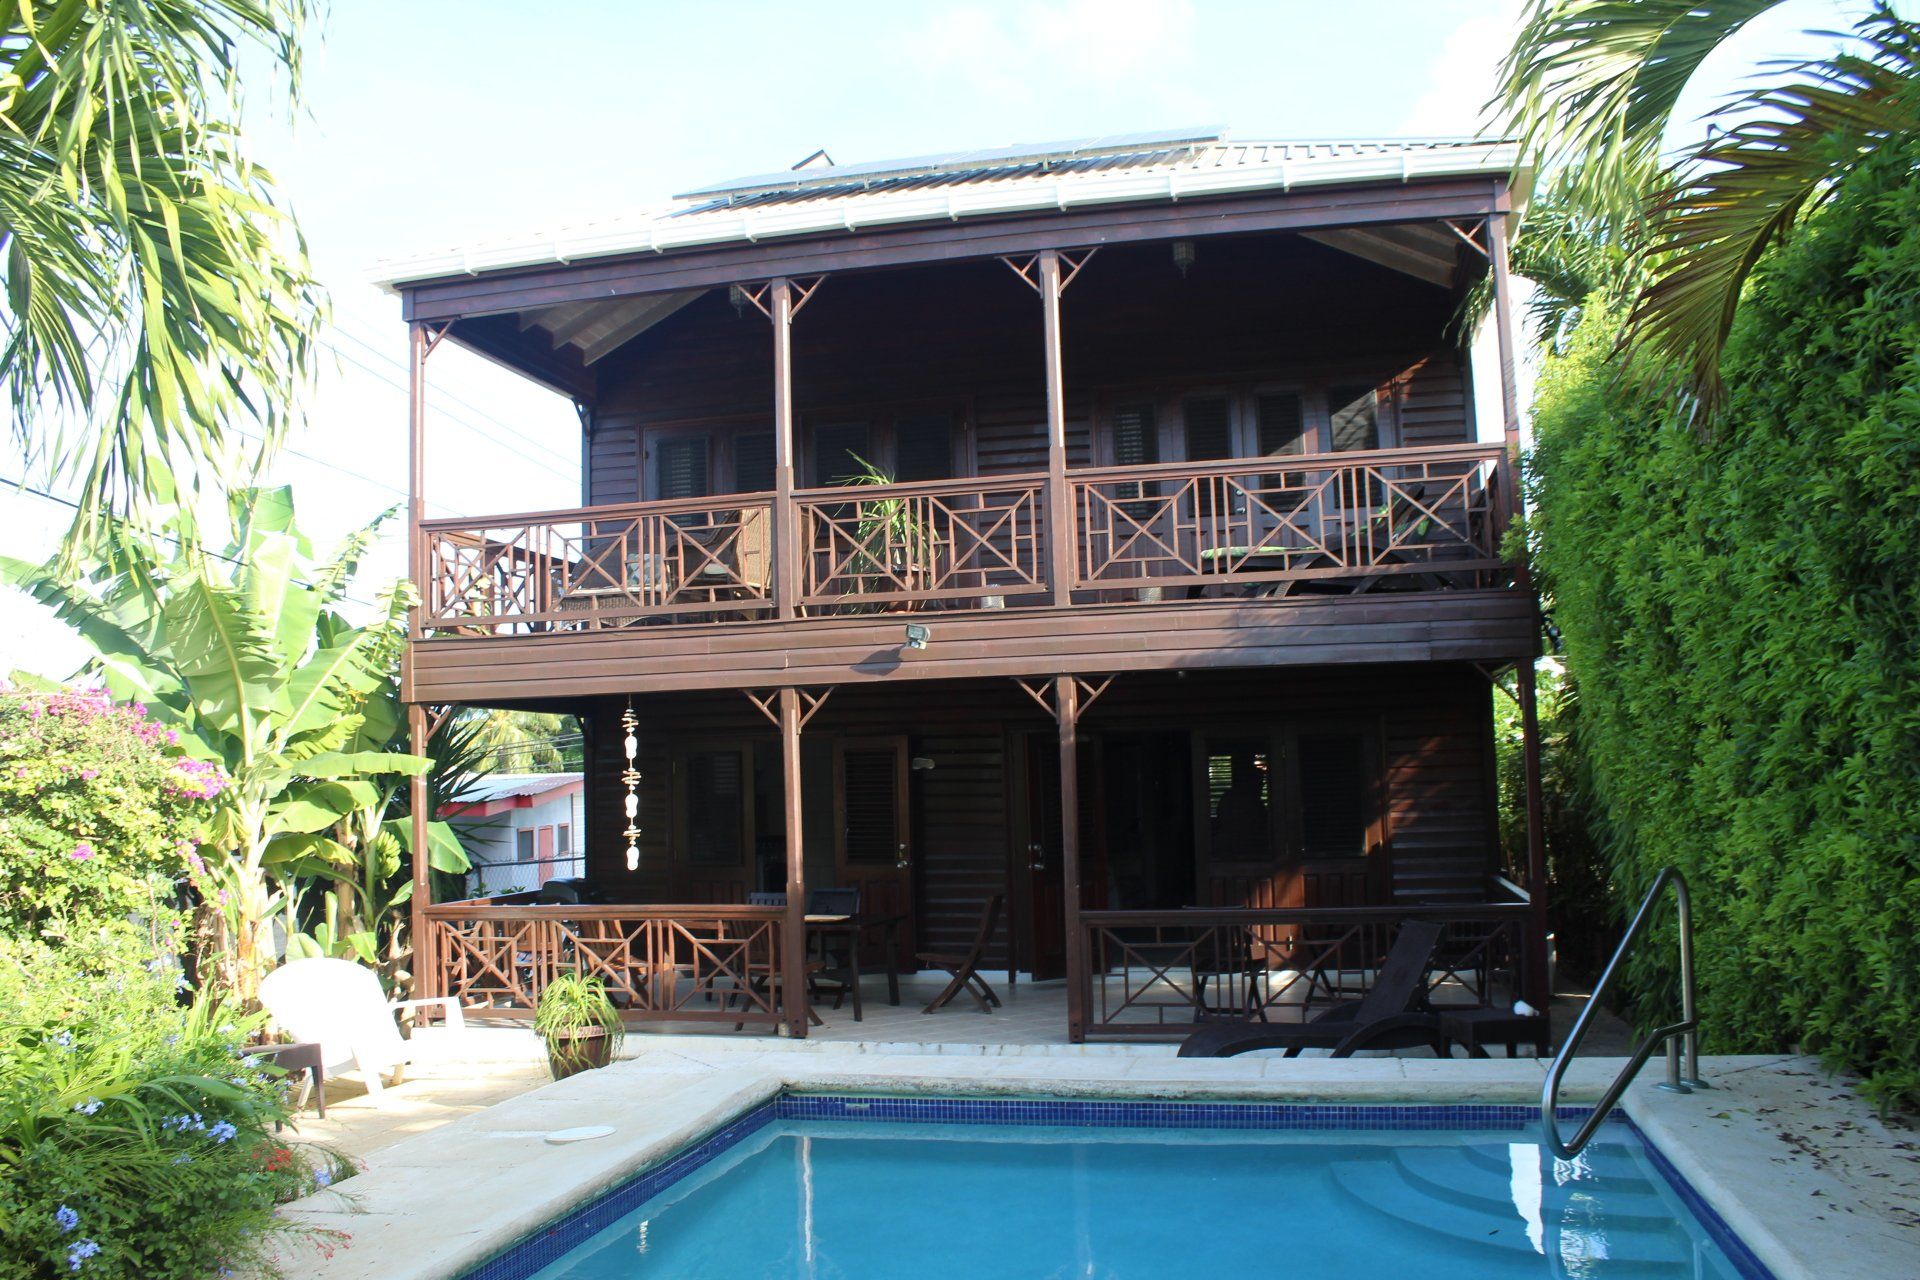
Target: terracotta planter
<point>578,1051</point>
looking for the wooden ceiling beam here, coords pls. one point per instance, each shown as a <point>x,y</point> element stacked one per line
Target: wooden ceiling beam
<point>648,312</point>
<point>1387,253</point>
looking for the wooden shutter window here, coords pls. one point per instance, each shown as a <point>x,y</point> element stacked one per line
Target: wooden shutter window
<point>715,817</point>
<point>1333,795</point>
<point>923,447</point>
<point>1356,418</point>
<point>1282,424</point>
<point>681,467</point>
<point>838,448</point>
<point>753,462</point>
<point>871,796</point>
<point>1136,442</point>
<point>1209,426</point>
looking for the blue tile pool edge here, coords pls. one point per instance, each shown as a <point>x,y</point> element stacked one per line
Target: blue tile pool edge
<point>528,1255</point>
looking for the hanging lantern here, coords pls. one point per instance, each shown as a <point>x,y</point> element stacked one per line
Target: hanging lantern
<point>631,777</point>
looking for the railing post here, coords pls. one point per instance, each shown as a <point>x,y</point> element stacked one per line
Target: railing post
<point>425,981</point>
<point>1061,551</point>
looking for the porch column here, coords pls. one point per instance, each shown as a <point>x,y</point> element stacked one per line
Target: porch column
<point>1503,335</point>
<point>1540,990</point>
<point>423,981</point>
<point>1060,540</point>
<point>1066,703</point>
<point>426,976</point>
<point>797,1001</point>
<point>786,531</point>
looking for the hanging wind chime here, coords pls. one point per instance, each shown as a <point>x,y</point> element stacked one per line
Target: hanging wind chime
<point>631,777</point>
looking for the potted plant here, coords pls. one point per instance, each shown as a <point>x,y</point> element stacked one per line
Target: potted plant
<point>897,544</point>
<point>579,1024</point>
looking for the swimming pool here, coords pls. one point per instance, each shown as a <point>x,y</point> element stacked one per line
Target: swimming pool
<point>852,1188</point>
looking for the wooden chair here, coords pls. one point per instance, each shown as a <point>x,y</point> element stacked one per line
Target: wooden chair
<point>965,969</point>
<point>837,970</point>
<point>772,982</point>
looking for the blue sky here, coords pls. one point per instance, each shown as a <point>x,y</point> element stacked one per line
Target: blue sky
<point>434,122</point>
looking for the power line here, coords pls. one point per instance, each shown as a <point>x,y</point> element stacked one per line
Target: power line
<point>433,390</point>
<point>511,446</point>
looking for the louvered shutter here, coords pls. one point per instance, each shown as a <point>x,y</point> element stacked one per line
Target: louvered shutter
<point>753,462</point>
<point>1333,795</point>
<point>716,807</point>
<point>681,467</point>
<point>1136,442</point>
<point>838,448</point>
<point>869,778</point>
<point>1356,418</point>
<point>1209,430</point>
<point>1282,425</point>
<point>923,448</point>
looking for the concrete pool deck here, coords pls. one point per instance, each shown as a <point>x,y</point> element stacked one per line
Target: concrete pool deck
<point>1789,1156</point>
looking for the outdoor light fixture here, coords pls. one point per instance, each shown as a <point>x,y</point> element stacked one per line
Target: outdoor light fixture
<point>1183,256</point>
<point>917,636</point>
<point>631,777</point>
<point>922,763</point>
<point>738,297</point>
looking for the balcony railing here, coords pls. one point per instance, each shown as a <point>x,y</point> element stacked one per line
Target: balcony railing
<point>1416,519</point>
<point>1353,519</point>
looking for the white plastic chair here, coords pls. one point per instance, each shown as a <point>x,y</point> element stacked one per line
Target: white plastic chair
<point>340,1006</point>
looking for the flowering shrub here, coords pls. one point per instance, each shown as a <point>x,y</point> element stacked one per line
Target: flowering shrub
<point>97,805</point>
<point>135,1141</point>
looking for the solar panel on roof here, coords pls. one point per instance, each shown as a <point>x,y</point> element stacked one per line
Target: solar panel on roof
<point>960,161</point>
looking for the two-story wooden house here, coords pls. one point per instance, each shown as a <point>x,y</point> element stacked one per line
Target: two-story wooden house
<point>1106,526</point>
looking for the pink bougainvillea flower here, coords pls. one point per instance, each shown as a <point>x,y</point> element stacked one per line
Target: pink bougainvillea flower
<point>81,852</point>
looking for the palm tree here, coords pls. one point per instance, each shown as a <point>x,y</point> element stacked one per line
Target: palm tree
<point>1592,86</point>
<point>156,293</point>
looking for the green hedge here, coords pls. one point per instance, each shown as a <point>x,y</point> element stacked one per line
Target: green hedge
<point>1741,610</point>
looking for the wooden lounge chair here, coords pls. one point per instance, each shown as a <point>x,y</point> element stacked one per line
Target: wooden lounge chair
<point>965,969</point>
<point>1393,1015</point>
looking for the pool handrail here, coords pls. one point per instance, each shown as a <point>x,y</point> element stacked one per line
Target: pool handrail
<point>1678,1036</point>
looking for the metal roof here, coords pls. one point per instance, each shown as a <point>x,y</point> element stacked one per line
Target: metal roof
<point>508,786</point>
<point>831,199</point>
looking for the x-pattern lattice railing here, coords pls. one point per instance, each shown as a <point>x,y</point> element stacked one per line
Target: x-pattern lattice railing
<point>1161,973</point>
<point>1356,518</point>
<point>678,964</point>
<point>875,548</point>
<point>590,569</point>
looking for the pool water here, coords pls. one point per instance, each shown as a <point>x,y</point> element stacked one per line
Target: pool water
<point>833,1200</point>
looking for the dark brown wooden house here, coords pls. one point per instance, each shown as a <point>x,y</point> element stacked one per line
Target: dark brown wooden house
<point>1106,526</point>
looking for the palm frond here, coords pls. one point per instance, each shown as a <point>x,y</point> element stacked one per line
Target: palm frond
<point>1593,83</point>
<point>156,293</point>
<point>1745,190</point>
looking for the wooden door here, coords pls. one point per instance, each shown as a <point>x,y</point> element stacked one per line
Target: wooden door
<point>1238,829</point>
<point>873,849</point>
<point>712,822</point>
<point>1039,880</point>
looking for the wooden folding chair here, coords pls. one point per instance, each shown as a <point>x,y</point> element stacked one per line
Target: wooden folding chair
<point>965,969</point>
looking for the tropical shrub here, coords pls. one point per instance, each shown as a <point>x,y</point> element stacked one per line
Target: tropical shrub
<point>135,1142</point>
<point>1740,606</point>
<point>240,650</point>
<point>97,807</point>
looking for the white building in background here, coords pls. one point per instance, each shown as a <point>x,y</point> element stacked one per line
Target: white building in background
<point>521,830</point>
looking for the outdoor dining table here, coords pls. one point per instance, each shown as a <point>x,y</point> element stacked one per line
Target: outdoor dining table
<point>851,927</point>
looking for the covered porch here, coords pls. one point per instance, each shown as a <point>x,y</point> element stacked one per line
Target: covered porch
<point>1166,849</point>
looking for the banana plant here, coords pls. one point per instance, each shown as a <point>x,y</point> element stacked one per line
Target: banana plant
<point>241,651</point>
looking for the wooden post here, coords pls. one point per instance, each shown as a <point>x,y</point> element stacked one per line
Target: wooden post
<point>425,981</point>
<point>426,976</point>
<point>786,524</point>
<point>1066,706</point>
<point>1060,538</point>
<point>1540,992</point>
<point>1503,334</point>
<point>793,955</point>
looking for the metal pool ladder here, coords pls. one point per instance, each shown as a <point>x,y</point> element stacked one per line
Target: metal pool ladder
<point>1684,1034</point>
